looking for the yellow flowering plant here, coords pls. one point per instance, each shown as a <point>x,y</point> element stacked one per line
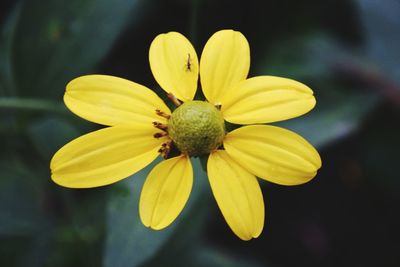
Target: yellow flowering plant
<point>142,127</point>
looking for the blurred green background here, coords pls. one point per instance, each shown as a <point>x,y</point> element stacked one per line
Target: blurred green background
<point>347,51</point>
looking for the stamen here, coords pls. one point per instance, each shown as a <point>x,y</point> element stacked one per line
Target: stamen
<point>159,135</point>
<point>162,114</point>
<point>174,99</point>
<point>160,126</point>
<point>165,149</point>
<point>218,106</point>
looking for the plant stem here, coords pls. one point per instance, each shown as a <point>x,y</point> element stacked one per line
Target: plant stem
<point>30,104</point>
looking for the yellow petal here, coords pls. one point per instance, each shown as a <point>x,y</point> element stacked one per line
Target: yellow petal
<point>112,101</point>
<point>165,192</point>
<point>175,65</point>
<point>266,99</point>
<point>273,153</point>
<point>238,195</point>
<point>104,156</point>
<point>224,62</point>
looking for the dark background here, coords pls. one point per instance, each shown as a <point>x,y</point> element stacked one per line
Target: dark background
<point>348,52</point>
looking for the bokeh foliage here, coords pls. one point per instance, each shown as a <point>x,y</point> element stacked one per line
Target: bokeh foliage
<point>347,51</point>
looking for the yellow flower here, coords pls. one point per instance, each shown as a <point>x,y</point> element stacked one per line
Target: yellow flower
<point>142,127</point>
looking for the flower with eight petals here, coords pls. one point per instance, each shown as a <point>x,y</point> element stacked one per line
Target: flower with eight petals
<point>142,127</point>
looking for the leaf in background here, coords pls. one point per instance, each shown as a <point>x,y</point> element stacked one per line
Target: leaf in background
<point>296,58</point>
<point>316,61</point>
<point>207,257</point>
<point>311,57</point>
<point>19,216</point>
<point>24,227</point>
<point>331,121</point>
<point>129,243</point>
<point>57,40</point>
<point>7,86</point>
<point>202,255</point>
<point>50,134</point>
<point>381,26</point>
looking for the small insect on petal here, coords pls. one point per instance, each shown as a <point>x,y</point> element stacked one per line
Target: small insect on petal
<point>189,63</point>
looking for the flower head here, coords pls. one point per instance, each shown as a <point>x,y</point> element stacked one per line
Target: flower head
<point>142,127</point>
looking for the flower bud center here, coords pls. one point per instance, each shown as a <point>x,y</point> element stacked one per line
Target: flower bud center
<point>196,128</point>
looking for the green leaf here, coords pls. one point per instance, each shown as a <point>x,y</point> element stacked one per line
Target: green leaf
<point>50,134</point>
<point>340,108</point>
<point>7,85</point>
<point>201,255</point>
<point>24,227</point>
<point>208,257</point>
<point>56,41</point>
<point>332,119</point>
<point>129,242</point>
<point>298,58</point>
<point>19,215</point>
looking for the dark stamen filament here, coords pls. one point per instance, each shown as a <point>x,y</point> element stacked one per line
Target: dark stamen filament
<point>165,149</point>
<point>174,99</point>
<point>160,126</point>
<point>159,135</point>
<point>162,114</point>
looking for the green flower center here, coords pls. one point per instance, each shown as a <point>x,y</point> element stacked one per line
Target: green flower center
<point>196,128</point>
